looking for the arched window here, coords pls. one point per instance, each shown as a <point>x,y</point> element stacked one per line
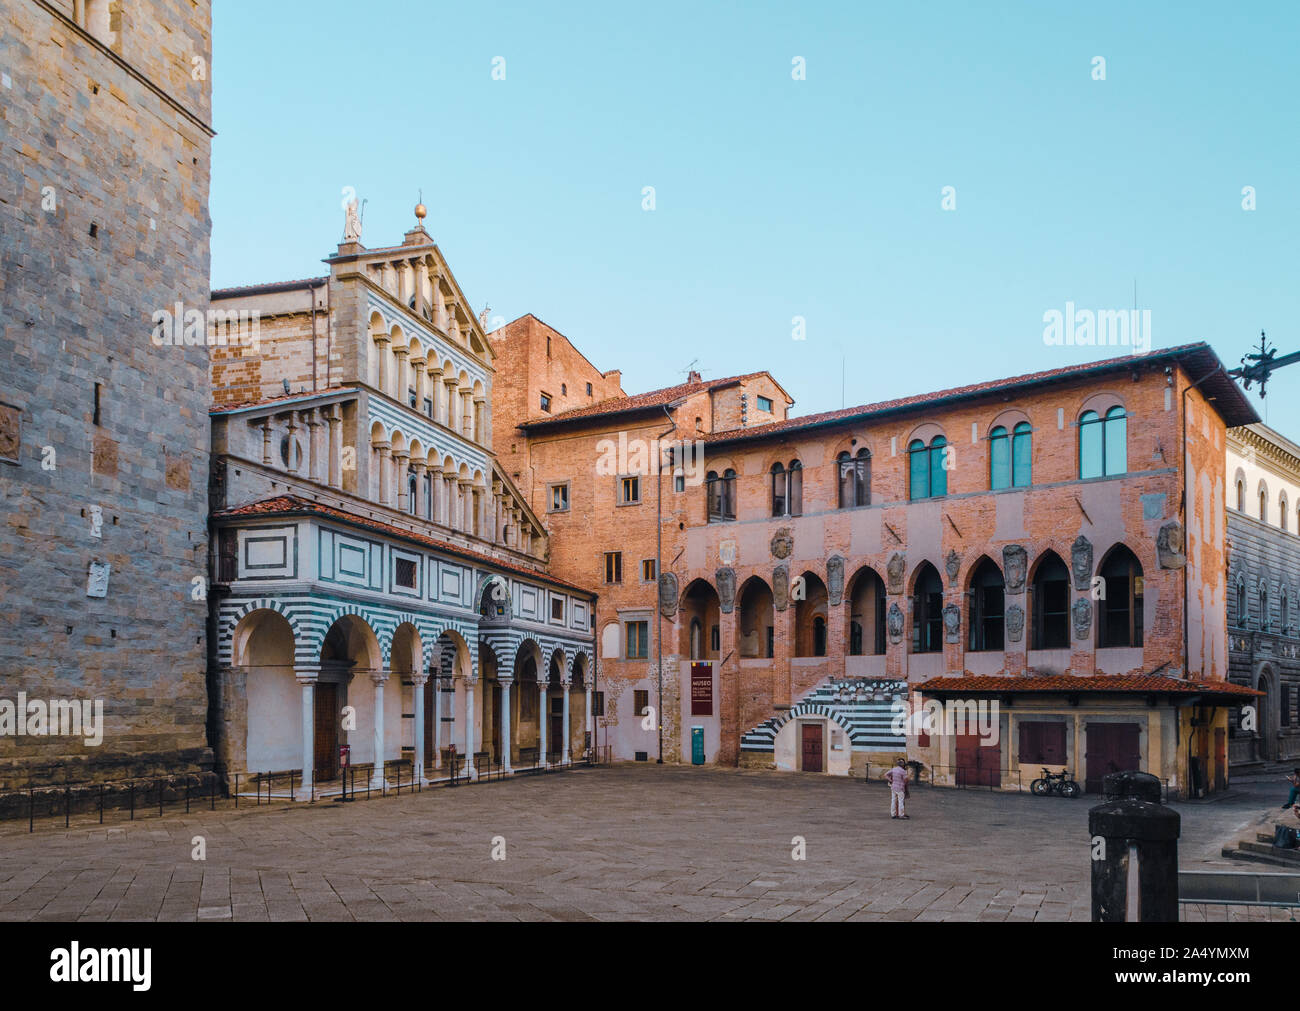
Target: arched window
<point>1010,457</point>
<point>1265,618</point>
<point>1050,604</point>
<point>1241,497</point>
<point>1284,612</point>
<point>855,479</point>
<point>927,611</point>
<point>1241,603</point>
<point>929,478</point>
<point>987,607</point>
<point>1119,609</point>
<point>721,495</point>
<point>1263,506</point>
<point>1281,510</point>
<point>412,503</point>
<point>1103,443</point>
<point>787,489</point>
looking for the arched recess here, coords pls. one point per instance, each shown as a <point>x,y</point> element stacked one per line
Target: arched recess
<point>755,625</point>
<point>865,614</point>
<point>264,649</point>
<point>810,617</point>
<point>1049,602</point>
<point>699,620</point>
<point>1120,612</point>
<point>927,609</point>
<point>986,607</point>
<point>525,717</point>
<point>349,653</point>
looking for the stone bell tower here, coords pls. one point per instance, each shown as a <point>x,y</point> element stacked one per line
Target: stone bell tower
<point>105,149</point>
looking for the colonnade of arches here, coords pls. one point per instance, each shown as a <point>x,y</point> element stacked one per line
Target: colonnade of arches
<point>985,619</point>
<point>511,710</point>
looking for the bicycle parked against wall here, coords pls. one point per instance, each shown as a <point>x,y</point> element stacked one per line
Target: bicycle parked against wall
<point>1061,783</point>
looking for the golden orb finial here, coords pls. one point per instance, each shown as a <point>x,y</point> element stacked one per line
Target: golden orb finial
<point>421,212</point>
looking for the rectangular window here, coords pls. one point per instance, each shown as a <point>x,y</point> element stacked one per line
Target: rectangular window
<point>412,398</point>
<point>99,390</point>
<point>679,482</point>
<point>715,639</point>
<point>546,402</point>
<point>1042,742</point>
<point>765,404</point>
<point>405,573</point>
<point>557,608</point>
<point>629,490</point>
<point>613,566</point>
<point>589,389</point>
<point>648,570</point>
<point>227,556</point>
<point>637,640</point>
<point>597,703</point>
<point>771,642</point>
<point>640,701</point>
<point>428,407</point>
<point>559,498</point>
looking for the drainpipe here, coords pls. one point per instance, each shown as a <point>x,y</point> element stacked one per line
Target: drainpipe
<point>659,566</point>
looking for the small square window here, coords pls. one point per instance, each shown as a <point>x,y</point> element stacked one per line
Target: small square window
<point>613,566</point>
<point>597,703</point>
<point>559,498</point>
<point>640,701</point>
<point>413,399</point>
<point>648,570</point>
<point>405,573</point>
<point>765,404</point>
<point>589,389</point>
<point>629,491</point>
<point>546,402</point>
<point>557,608</point>
<point>428,407</point>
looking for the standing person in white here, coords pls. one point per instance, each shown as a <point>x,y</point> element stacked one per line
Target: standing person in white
<point>897,777</point>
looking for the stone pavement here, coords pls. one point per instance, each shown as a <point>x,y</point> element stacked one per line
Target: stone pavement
<point>625,842</point>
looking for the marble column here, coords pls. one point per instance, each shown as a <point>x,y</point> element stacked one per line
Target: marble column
<point>436,490</point>
<point>402,383</point>
<point>437,716</point>
<point>470,682</point>
<point>542,720</point>
<point>418,681</point>
<point>384,449</point>
<point>401,463</point>
<point>377,774</point>
<point>507,742</point>
<point>421,506</point>
<point>381,377</point>
<point>266,441</point>
<point>315,454</point>
<point>564,753</point>
<point>335,447</point>
<point>307,678</point>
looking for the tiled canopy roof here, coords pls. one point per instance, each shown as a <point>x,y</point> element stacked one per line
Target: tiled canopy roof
<point>1199,359</point>
<point>1140,684</point>
<point>640,401</point>
<point>244,405</point>
<point>292,505</point>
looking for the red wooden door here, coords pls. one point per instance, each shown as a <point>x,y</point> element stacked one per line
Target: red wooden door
<point>812,747</point>
<point>327,730</point>
<point>978,763</point>
<point>1112,747</point>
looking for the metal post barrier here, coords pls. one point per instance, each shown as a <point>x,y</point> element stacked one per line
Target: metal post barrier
<point>236,791</point>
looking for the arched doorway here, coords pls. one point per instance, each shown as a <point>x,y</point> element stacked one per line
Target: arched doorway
<point>350,648</point>
<point>263,649</point>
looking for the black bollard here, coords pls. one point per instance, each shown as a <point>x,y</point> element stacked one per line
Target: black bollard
<point>1134,852</point>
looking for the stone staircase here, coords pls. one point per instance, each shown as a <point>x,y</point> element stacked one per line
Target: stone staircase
<point>1258,847</point>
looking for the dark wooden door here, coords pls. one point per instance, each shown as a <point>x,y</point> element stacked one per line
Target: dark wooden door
<point>812,747</point>
<point>978,763</point>
<point>327,730</point>
<point>1112,747</point>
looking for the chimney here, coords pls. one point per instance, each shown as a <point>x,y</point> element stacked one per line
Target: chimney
<point>694,377</point>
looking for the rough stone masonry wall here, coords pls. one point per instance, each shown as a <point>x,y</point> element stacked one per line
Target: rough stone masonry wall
<point>113,137</point>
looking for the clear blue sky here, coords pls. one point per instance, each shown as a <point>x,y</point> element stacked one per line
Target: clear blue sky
<point>778,198</point>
